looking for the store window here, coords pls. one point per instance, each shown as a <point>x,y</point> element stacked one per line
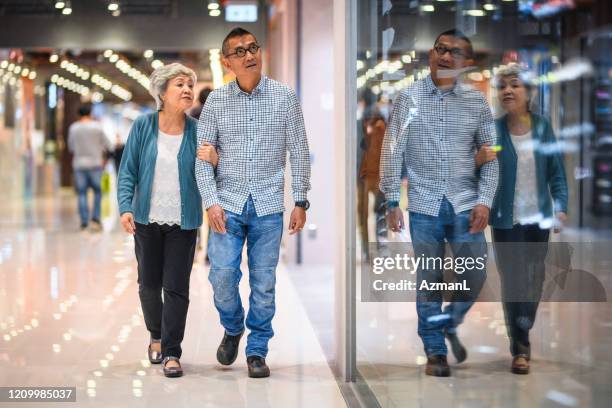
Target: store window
<point>541,69</point>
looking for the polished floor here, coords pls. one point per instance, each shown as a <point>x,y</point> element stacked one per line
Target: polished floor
<point>70,316</point>
<point>571,352</point>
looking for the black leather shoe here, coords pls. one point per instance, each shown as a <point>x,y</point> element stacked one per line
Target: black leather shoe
<point>228,349</point>
<point>459,351</point>
<point>155,357</point>
<point>437,366</point>
<point>257,367</point>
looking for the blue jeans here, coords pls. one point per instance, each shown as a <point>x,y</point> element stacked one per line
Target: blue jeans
<point>263,237</point>
<point>83,180</point>
<point>428,239</point>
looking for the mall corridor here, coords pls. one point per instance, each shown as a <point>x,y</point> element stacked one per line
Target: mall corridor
<point>70,315</point>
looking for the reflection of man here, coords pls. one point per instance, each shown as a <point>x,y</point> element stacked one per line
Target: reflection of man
<point>252,122</point>
<point>369,176</point>
<point>438,123</point>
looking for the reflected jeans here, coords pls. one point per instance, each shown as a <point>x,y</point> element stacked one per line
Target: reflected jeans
<point>428,239</point>
<point>83,180</point>
<point>263,237</point>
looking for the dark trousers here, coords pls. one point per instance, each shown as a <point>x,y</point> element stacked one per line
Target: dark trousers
<point>520,253</point>
<point>165,257</point>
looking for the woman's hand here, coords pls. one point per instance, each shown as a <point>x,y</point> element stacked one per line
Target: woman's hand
<point>561,221</point>
<point>207,152</point>
<point>484,155</point>
<point>127,222</point>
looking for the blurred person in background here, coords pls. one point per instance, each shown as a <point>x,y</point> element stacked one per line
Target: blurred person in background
<point>207,153</point>
<point>369,177</point>
<point>89,145</point>
<point>531,198</point>
<point>160,205</point>
<point>202,96</point>
<point>252,121</point>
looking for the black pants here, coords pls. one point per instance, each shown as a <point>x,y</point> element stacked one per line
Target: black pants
<point>165,257</point>
<point>520,253</point>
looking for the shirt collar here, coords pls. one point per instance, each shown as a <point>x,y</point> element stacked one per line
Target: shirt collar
<point>432,88</point>
<point>258,89</point>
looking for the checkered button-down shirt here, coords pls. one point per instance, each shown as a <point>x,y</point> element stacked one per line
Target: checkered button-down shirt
<point>439,134</point>
<point>252,134</point>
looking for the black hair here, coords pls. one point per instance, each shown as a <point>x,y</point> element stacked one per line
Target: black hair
<point>85,109</point>
<point>457,34</point>
<point>204,95</point>
<point>236,32</point>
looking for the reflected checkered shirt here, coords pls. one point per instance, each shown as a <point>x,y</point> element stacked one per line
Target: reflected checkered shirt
<point>439,134</point>
<point>252,134</point>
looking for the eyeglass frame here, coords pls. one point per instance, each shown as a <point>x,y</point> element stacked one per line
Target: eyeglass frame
<point>456,53</point>
<point>248,49</point>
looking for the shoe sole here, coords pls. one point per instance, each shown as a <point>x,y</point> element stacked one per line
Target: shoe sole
<point>258,375</point>
<point>438,373</point>
<point>520,371</point>
<point>173,374</point>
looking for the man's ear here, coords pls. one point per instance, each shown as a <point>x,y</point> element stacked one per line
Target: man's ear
<point>225,63</point>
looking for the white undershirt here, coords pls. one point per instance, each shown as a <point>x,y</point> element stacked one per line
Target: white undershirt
<point>166,192</point>
<point>526,208</point>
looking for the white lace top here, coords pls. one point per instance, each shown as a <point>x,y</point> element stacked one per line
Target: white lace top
<point>166,193</point>
<point>526,209</point>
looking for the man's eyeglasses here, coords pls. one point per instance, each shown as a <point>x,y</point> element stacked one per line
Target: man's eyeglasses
<point>456,53</point>
<point>241,52</point>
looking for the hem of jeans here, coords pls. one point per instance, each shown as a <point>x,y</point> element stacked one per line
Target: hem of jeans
<point>237,333</point>
<point>256,354</point>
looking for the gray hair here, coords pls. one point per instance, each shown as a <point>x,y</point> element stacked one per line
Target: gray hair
<point>523,74</point>
<point>161,76</point>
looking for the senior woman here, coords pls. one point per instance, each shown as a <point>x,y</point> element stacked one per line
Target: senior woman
<point>161,206</point>
<point>531,198</point>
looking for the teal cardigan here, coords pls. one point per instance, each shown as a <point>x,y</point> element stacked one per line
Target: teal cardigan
<point>137,170</point>
<point>550,174</point>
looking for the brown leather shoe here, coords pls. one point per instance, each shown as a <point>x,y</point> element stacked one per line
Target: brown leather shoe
<point>437,366</point>
<point>520,364</point>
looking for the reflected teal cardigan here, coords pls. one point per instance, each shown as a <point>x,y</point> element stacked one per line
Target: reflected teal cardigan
<point>549,174</point>
<point>137,170</point>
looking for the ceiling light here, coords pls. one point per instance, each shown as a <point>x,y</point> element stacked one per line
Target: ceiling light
<point>59,4</point>
<point>116,13</point>
<point>428,8</point>
<point>214,13</point>
<point>113,6</point>
<point>3,64</point>
<point>67,11</point>
<point>475,13</point>
<point>53,58</point>
<point>114,58</point>
<point>108,53</point>
<point>213,5</point>
<point>148,54</point>
<point>489,7</point>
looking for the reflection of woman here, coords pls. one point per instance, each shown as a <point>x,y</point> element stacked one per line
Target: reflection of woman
<point>160,204</point>
<point>531,197</point>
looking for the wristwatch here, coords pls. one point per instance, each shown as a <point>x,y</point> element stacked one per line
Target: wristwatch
<point>391,204</point>
<point>303,204</point>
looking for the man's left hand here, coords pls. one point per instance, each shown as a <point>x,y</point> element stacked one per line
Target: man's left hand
<point>297,220</point>
<point>479,218</point>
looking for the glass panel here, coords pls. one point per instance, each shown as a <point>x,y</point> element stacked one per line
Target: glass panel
<point>527,85</point>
